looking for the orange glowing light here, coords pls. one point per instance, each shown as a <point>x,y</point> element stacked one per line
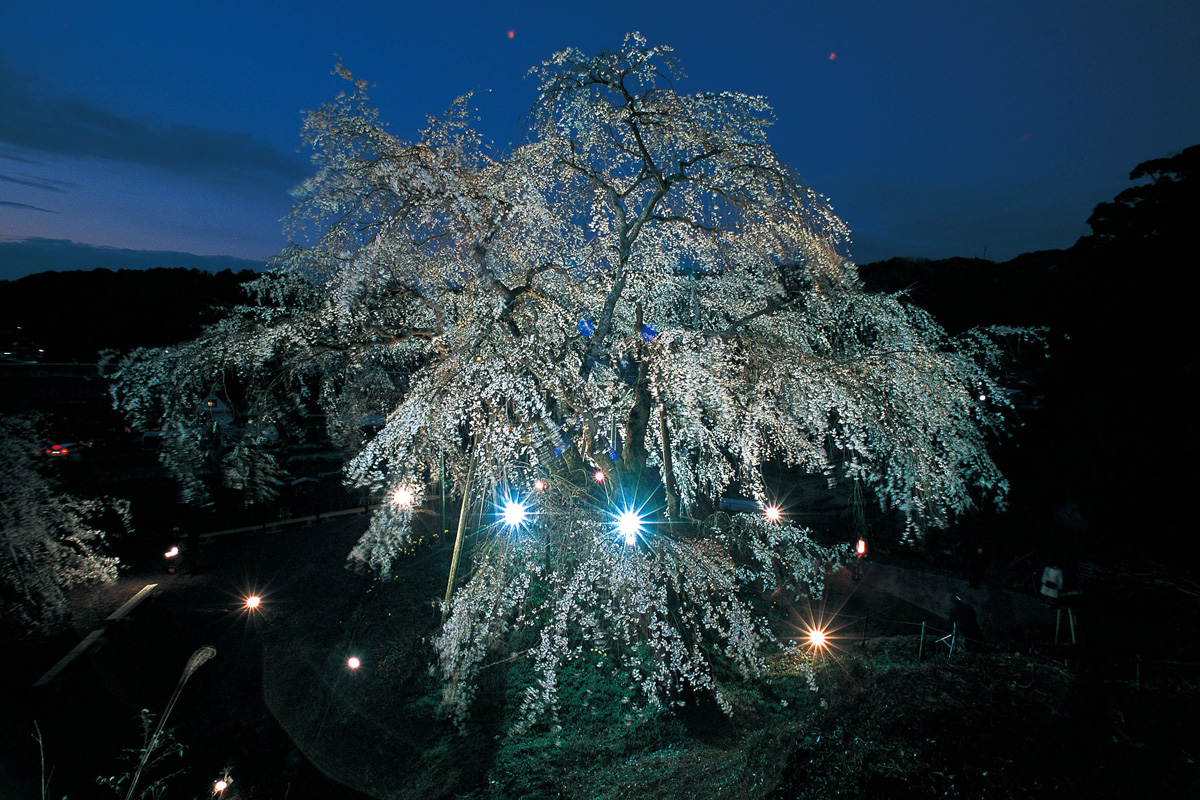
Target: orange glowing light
<point>174,551</point>
<point>539,485</point>
<point>773,514</point>
<point>253,601</point>
<point>402,497</point>
<point>221,785</point>
<point>511,34</point>
<point>599,476</point>
<point>353,663</point>
<point>817,637</point>
<point>861,547</point>
<point>833,56</point>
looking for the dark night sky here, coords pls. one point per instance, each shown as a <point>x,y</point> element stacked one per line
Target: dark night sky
<point>939,129</point>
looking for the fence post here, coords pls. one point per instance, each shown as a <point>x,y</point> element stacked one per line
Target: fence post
<point>921,646</point>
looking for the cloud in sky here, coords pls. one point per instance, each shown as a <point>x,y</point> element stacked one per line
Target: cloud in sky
<point>48,184</point>
<point>18,259</point>
<point>37,118</point>
<point>25,206</point>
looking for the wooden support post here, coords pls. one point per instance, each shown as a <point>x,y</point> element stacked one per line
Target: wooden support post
<point>463,512</point>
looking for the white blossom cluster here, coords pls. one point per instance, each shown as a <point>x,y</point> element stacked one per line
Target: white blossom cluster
<point>642,288</point>
<point>51,541</point>
<point>659,611</point>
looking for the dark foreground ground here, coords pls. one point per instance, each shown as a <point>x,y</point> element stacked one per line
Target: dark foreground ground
<point>89,715</point>
<point>278,699</point>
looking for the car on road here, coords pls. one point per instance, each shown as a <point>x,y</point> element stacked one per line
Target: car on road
<point>69,451</point>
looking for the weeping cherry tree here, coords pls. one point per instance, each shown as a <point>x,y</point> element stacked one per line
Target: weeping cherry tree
<point>589,340</point>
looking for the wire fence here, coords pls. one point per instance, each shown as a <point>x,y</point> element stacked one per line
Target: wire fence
<point>1062,647</point>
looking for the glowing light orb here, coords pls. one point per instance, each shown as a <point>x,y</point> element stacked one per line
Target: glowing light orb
<point>599,476</point>
<point>221,785</point>
<point>539,485</point>
<point>402,497</point>
<point>817,637</point>
<point>833,56</point>
<point>511,34</point>
<point>514,513</point>
<point>629,525</point>
<point>773,514</point>
<point>861,547</point>
<point>174,551</point>
<point>253,601</point>
<point>353,663</point>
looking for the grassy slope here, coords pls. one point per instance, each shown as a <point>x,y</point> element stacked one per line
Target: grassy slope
<point>882,725</point>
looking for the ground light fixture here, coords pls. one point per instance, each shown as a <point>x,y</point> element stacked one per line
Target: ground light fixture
<point>817,638</point>
<point>599,476</point>
<point>514,514</point>
<point>221,784</point>
<point>772,513</point>
<point>353,662</point>
<point>629,525</point>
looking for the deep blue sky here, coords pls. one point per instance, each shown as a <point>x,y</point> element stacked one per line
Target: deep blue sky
<point>940,128</point>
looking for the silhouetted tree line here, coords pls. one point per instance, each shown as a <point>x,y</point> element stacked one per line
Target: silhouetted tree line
<point>1115,433</point>
<point>72,316</point>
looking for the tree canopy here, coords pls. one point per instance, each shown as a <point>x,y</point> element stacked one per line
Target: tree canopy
<point>638,308</point>
<point>51,541</point>
<point>1160,209</point>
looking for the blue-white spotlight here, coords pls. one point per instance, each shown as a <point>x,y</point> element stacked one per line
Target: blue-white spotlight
<point>629,525</point>
<point>514,514</point>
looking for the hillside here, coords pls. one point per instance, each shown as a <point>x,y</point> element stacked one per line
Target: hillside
<point>72,316</point>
